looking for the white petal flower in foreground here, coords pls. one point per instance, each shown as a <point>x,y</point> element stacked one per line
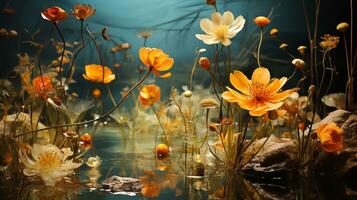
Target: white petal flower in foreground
<point>48,162</point>
<point>221,29</point>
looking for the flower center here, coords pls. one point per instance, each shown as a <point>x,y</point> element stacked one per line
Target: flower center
<point>49,160</point>
<point>221,31</point>
<point>259,92</point>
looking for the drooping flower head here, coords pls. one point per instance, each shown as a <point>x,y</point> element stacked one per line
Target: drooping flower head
<point>42,86</point>
<point>330,136</point>
<point>94,73</point>
<point>157,59</point>
<point>48,162</point>
<point>83,11</point>
<point>149,95</point>
<point>220,29</point>
<point>329,41</point>
<point>258,95</point>
<point>54,14</point>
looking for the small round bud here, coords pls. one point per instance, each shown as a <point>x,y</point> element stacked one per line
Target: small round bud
<point>162,151</point>
<point>302,49</point>
<point>86,138</point>
<point>187,93</point>
<point>204,63</point>
<point>96,93</point>
<point>274,32</point>
<point>312,89</point>
<point>211,2</point>
<point>283,46</point>
<point>298,63</point>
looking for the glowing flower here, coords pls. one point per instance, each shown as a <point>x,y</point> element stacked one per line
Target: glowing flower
<point>330,136</point>
<point>83,11</point>
<point>48,162</point>
<point>329,41</point>
<point>302,49</point>
<point>204,63</point>
<point>257,95</point>
<point>221,29</point>
<point>54,14</point>
<point>86,138</point>
<point>261,21</point>
<point>342,27</point>
<point>149,95</point>
<point>298,63</point>
<point>42,86</point>
<point>94,73</point>
<point>162,151</point>
<point>283,46</point>
<point>274,32</point>
<point>94,162</point>
<point>157,59</point>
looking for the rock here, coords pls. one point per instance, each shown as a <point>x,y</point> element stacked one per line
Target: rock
<point>117,184</point>
<point>277,157</point>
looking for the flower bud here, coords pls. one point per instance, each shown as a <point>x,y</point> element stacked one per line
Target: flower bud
<point>342,27</point>
<point>283,46</point>
<point>187,93</point>
<point>211,2</point>
<point>261,21</point>
<point>298,63</point>
<point>204,63</point>
<point>312,89</point>
<point>302,49</point>
<point>96,93</point>
<point>274,32</point>
<point>162,151</point>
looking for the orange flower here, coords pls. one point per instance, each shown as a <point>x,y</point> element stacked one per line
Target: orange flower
<point>211,2</point>
<point>149,95</point>
<point>157,59</point>
<point>94,73</point>
<point>83,11</point>
<point>261,21</point>
<point>42,86</point>
<point>329,41</point>
<point>330,136</point>
<point>54,14</point>
<point>258,95</point>
<point>96,93</point>
<point>86,138</point>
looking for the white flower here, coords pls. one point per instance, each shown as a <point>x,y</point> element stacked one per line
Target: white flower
<point>48,162</point>
<point>221,29</point>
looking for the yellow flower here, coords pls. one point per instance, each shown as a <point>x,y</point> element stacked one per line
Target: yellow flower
<point>83,11</point>
<point>329,41</point>
<point>149,95</point>
<point>221,29</point>
<point>342,27</point>
<point>157,59</point>
<point>94,73</point>
<point>48,162</point>
<point>330,136</point>
<point>258,95</point>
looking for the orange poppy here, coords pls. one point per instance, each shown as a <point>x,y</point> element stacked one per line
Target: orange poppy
<point>42,86</point>
<point>258,95</point>
<point>149,94</point>
<point>330,136</point>
<point>83,11</point>
<point>157,59</point>
<point>94,73</point>
<point>261,21</point>
<point>54,14</point>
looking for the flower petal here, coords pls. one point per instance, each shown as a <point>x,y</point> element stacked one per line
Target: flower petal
<point>167,75</point>
<point>261,75</point>
<point>216,18</point>
<point>237,25</point>
<point>226,42</point>
<point>166,65</point>
<point>277,97</point>
<point>206,25</point>
<point>276,85</point>
<point>144,55</point>
<point>207,39</point>
<point>259,111</point>
<point>240,82</point>
<point>228,18</point>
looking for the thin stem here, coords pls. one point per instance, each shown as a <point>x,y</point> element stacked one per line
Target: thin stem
<point>102,116</point>
<point>160,123</point>
<point>193,69</point>
<point>307,21</point>
<point>259,46</point>
<point>63,51</point>
<point>111,95</point>
<point>348,71</point>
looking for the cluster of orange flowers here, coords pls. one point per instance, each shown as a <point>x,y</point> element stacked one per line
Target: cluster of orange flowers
<point>56,14</point>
